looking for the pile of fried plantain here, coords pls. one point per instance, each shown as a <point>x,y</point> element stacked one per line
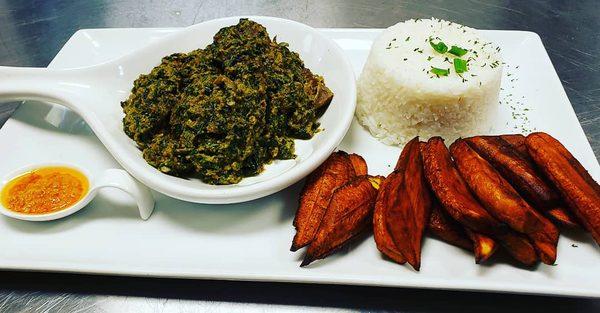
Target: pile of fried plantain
<point>508,154</point>
<point>349,213</point>
<point>500,199</point>
<point>458,201</point>
<point>577,187</point>
<point>335,172</point>
<point>404,204</point>
<point>484,192</point>
<point>336,205</point>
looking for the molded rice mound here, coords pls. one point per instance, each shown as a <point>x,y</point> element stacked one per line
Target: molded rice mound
<point>400,98</point>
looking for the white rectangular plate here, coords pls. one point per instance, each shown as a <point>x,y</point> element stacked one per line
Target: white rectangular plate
<point>251,241</point>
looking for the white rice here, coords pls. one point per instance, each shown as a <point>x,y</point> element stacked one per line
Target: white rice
<point>399,97</point>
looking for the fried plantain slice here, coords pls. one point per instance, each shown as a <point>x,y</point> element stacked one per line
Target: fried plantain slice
<point>519,247</point>
<point>443,227</point>
<point>456,199</point>
<point>502,200</point>
<point>349,212</point>
<point>522,174</point>
<point>516,169</point>
<point>359,164</point>
<point>409,208</point>
<point>403,159</point>
<point>483,246</point>
<point>558,146</point>
<point>579,190</point>
<point>448,230</point>
<point>451,190</point>
<point>386,198</point>
<point>561,216</point>
<point>318,189</point>
<point>517,142</point>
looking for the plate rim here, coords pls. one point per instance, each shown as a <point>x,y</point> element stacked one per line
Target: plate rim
<point>570,291</point>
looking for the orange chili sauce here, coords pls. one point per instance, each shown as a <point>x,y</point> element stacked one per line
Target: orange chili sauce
<point>45,190</point>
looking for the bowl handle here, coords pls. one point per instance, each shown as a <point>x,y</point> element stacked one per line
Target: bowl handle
<point>49,85</point>
<point>120,179</point>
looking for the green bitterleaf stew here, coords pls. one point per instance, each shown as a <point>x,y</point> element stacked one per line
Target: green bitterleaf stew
<point>221,113</point>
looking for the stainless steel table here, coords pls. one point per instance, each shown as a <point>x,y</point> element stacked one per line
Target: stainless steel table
<point>32,32</point>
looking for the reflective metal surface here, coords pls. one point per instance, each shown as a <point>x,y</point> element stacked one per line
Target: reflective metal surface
<point>32,32</point>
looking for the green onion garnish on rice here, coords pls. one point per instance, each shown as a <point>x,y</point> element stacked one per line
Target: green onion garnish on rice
<point>457,51</point>
<point>439,47</point>
<point>460,65</point>
<point>439,71</point>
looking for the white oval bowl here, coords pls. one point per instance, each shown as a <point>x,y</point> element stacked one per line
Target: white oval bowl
<point>95,94</point>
